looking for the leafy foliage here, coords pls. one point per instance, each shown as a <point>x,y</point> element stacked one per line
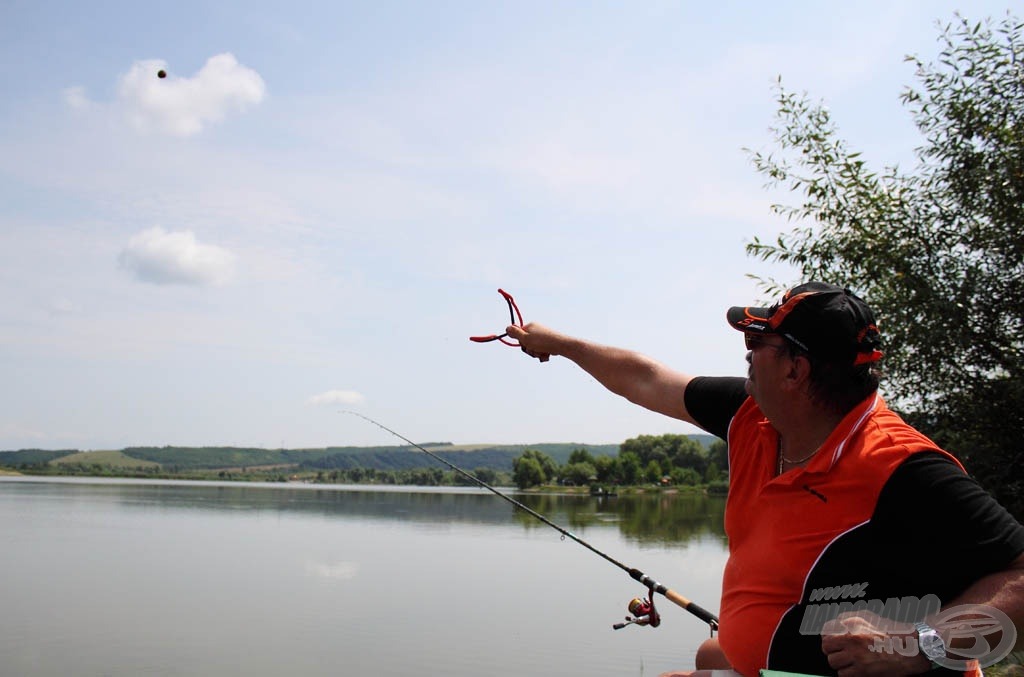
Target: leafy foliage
<point>532,468</point>
<point>936,251</point>
<point>578,474</point>
<point>646,458</point>
<point>580,456</point>
<point>668,451</point>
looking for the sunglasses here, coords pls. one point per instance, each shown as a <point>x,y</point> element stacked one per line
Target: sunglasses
<point>753,341</point>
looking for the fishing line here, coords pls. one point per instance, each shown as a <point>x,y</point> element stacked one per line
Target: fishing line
<point>635,574</point>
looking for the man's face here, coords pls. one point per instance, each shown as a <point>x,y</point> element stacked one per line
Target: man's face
<point>767,357</point>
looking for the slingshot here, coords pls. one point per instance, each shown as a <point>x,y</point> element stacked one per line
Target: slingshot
<point>513,314</point>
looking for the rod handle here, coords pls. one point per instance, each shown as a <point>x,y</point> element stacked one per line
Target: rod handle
<point>695,609</point>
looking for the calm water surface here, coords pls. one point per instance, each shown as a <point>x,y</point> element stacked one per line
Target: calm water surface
<point>108,577</point>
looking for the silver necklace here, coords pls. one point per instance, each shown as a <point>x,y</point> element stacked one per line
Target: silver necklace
<point>783,459</point>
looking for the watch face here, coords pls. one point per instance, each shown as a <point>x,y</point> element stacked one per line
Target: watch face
<point>932,645</point>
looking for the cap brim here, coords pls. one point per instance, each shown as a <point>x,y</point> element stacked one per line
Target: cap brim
<point>750,319</point>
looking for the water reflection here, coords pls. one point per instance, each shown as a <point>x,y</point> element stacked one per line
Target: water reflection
<point>647,519</point>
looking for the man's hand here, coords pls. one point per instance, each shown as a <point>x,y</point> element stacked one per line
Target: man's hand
<point>862,643</point>
<point>537,340</point>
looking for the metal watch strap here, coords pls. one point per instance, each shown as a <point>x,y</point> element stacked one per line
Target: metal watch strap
<point>922,627</point>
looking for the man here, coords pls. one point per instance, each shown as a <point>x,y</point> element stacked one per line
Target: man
<point>847,528</point>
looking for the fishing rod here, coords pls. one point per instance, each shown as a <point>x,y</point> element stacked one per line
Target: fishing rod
<point>644,612</point>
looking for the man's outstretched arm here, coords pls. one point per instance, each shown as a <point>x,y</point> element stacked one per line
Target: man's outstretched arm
<point>636,377</point>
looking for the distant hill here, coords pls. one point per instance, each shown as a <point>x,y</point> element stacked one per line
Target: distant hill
<point>496,457</point>
<point>110,459</point>
<point>177,459</point>
<point>25,457</point>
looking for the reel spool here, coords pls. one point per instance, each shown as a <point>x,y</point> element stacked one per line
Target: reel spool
<point>642,612</point>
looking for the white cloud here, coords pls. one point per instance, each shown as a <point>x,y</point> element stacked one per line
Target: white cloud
<point>162,257</point>
<point>75,97</point>
<point>182,106</point>
<point>336,397</point>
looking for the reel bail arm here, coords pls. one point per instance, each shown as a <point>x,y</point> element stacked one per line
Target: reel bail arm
<point>643,611</point>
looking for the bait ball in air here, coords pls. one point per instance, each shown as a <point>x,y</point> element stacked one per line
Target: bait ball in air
<point>161,74</point>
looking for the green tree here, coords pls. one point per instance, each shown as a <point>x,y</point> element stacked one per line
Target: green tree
<point>648,448</point>
<point>689,453</point>
<point>524,472</point>
<point>667,450</point>
<point>937,251</point>
<point>718,453</point>
<point>580,456</point>
<point>608,469</point>
<point>652,472</point>
<point>527,472</point>
<point>578,474</point>
<point>485,475</point>
<point>629,468</point>
<point>547,464</point>
<point>685,477</point>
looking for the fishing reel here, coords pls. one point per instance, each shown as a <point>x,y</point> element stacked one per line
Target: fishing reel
<point>642,613</point>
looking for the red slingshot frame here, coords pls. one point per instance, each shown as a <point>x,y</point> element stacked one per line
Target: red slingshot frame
<point>514,315</point>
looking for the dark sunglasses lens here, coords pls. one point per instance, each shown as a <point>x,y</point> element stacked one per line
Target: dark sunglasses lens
<point>753,341</point>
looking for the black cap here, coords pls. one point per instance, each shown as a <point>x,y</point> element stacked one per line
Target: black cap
<point>825,320</point>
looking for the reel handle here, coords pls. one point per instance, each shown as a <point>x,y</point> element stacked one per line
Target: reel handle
<point>643,612</point>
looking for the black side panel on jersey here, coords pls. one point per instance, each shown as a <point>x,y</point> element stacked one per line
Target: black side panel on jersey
<point>712,401</point>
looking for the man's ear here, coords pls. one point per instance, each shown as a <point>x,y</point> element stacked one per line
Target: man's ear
<point>798,376</point>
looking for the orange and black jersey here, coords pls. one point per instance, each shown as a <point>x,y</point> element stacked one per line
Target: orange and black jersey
<point>880,513</point>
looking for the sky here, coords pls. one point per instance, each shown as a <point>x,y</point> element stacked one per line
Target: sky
<point>314,209</point>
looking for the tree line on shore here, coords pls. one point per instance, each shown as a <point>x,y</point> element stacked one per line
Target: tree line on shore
<point>670,459</point>
<point>675,460</point>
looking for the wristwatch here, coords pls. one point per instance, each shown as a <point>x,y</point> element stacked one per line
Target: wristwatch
<point>930,643</point>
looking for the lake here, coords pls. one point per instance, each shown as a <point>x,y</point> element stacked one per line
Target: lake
<point>123,577</point>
